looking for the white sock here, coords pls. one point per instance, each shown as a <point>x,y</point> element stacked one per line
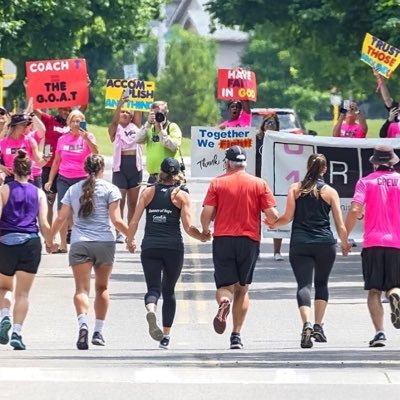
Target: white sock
<point>98,326</point>
<point>4,312</point>
<point>380,332</point>
<point>17,328</point>
<point>82,320</point>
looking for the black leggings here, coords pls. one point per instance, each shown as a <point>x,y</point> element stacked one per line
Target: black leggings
<point>170,263</point>
<point>307,258</point>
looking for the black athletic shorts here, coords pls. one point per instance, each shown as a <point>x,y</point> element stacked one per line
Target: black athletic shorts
<point>234,260</point>
<point>128,176</point>
<point>22,257</point>
<point>45,179</point>
<point>381,268</point>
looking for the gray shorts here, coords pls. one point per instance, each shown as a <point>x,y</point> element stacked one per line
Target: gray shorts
<point>98,253</point>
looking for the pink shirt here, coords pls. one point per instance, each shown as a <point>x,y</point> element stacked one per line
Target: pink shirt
<point>243,120</point>
<point>351,130</point>
<point>36,170</point>
<point>393,130</point>
<point>73,150</point>
<point>379,192</point>
<point>9,147</point>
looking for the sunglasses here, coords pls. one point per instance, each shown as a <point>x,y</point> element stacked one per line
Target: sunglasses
<point>270,123</point>
<point>2,112</point>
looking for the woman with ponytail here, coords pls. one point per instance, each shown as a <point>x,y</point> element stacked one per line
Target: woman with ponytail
<point>22,206</point>
<point>312,244</point>
<point>91,203</point>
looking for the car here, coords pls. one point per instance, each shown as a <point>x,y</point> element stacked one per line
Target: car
<point>288,119</point>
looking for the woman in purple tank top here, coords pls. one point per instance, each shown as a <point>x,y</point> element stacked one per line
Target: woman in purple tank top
<point>22,206</point>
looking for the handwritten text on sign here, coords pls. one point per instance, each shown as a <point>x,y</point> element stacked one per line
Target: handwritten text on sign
<point>236,84</point>
<point>209,145</point>
<point>141,94</point>
<point>380,55</point>
<point>57,83</point>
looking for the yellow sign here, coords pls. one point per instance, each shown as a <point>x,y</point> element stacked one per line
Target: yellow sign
<point>380,55</point>
<point>7,76</point>
<point>140,94</point>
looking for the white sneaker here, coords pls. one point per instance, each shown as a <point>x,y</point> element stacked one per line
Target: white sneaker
<point>120,238</point>
<point>278,257</point>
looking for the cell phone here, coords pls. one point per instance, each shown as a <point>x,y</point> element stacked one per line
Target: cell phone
<point>126,93</point>
<point>346,104</point>
<point>82,125</point>
<point>47,150</point>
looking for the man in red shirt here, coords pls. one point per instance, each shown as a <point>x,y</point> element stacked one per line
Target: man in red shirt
<point>235,200</point>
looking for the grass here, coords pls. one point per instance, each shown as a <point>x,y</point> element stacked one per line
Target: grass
<point>323,128</point>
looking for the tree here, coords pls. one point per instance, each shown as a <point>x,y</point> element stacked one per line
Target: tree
<point>188,81</point>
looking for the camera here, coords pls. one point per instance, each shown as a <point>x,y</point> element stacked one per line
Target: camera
<point>159,117</point>
<point>155,138</point>
<point>182,166</point>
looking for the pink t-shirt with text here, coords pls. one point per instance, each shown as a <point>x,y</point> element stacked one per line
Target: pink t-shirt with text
<point>352,131</point>
<point>10,146</point>
<point>379,192</point>
<point>73,150</point>
<point>243,120</point>
<point>393,130</point>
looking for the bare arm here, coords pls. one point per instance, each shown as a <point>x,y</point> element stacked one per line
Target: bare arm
<point>246,106</point>
<point>112,129</point>
<point>63,215</point>
<point>42,217</point>
<point>338,125</point>
<point>355,212</point>
<point>338,218</point>
<point>53,171</point>
<point>39,126</point>
<point>40,161</point>
<point>387,99</point>
<point>288,215</point>
<point>363,122</point>
<point>207,215</point>
<point>114,211</point>
<point>90,141</point>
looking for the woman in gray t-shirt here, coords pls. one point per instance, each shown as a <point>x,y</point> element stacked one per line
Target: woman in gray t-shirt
<point>91,204</point>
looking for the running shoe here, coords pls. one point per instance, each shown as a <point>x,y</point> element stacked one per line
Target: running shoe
<point>319,334</point>
<point>378,340</point>
<point>119,238</point>
<point>236,342</point>
<point>155,332</point>
<point>82,343</point>
<point>306,335</point>
<point>16,342</point>
<point>5,326</point>
<point>97,339</point>
<point>278,257</point>
<point>220,318</point>
<point>394,300</point>
<point>164,343</point>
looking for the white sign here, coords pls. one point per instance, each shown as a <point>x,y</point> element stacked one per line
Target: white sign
<point>284,161</point>
<point>210,143</point>
<point>9,69</point>
<point>131,71</point>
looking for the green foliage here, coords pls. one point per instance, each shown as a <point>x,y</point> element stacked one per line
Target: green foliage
<point>189,79</point>
<point>147,61</point>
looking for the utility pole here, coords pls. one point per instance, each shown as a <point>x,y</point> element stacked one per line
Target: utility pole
<point>162,29</point>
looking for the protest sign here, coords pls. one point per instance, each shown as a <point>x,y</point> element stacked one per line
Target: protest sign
<point>236,84</point>
<point>284,161</point>
<point>209,145</point>
<point>141,94</point>
<point>57,83</point>
<point>380,55</point>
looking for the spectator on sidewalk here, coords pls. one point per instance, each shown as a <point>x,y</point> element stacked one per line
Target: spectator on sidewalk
<point>239,114</point>
<point>162,253</point>
<point>91,203</point>
<point>312,245</point>
<point>234,201</point>
<point>127,159</point>
<point>351,123</point>
<point>22,207</point>
<point>162,137</point>
<point>376,199</point>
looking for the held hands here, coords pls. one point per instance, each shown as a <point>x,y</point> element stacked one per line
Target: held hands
<point>131,245</point>
<point>346,248</point>
<point>205,236</point>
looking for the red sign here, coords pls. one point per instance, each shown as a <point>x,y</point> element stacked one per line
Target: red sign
<point>57,83</point>
<point>237,84</point>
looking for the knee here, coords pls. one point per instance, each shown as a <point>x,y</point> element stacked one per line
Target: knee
<point>240,291</point>
<point>101,289</point>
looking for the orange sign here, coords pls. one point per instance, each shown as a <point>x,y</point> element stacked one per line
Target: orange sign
<point>236,84</point>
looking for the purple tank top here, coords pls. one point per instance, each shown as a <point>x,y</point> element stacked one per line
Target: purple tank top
<point>21,210</point>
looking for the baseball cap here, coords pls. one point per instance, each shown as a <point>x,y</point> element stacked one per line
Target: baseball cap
<point>235,153</point>
<point>170,166</point>
<point>18,119</point>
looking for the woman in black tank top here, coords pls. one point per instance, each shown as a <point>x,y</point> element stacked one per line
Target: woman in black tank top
<point>312,244</point>
<point>166,206</point>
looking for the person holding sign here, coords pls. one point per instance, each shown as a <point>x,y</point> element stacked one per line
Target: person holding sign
<point>376,200</point>
<point>346,126</point>
<point>239,114</point>
<point>71,151</point>
<point>234,201</point>
<point>312,245</point>
<point>127,159</point>
<point>162,253</point>
<point>162,138</point>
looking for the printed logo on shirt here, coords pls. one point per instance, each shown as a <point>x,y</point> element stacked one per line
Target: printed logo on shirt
<point>61,129</point>
<point>129,133</point>
<point>387,181</point>
<point>14,150</point>
<point>76,148</point>
<point>348,133</point>
<point>159,219</point>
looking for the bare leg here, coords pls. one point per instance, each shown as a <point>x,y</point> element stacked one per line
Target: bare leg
<point>122,202</point>
<point>6,288</point>
<point>23,285</point>
<point>225,293</point>
<point>240,306</point>
<point>132,197</point>
<point>82,287</point>
<point>305,312</point>
<point>376,309</point>
<point>277,245</point>
<point>51,197</point>
<point>102,299</point>
<point>319,312</point>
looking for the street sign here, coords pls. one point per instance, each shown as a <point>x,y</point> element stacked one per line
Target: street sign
<point>8,73</point>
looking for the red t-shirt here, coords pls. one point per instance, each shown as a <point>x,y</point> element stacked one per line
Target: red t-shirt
<point>54,129</point>
<point>239,199</point>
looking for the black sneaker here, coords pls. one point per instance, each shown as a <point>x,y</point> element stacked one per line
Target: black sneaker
<point>236,342</point>
<point>5,326</point>
<point>82,343</point>
<point>394,301</point>
<point>306,335</point>
<point>98,339</point>
<point>318,334</point>
<point>16,342</point>
<point>378,340</point>
<point>164,343</point>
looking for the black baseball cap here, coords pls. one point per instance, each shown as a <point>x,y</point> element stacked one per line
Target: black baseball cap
<point>170,166</point>
<point>18,119</point>
<point>235,153</point>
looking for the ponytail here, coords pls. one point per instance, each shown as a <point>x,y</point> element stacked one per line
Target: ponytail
<point>316,166</point>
